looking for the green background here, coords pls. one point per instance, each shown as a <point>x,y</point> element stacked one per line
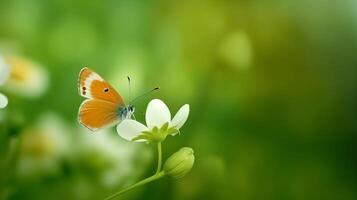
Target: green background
<point>271,87</point>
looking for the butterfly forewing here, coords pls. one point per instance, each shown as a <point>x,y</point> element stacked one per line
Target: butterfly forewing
<point>92,86</point>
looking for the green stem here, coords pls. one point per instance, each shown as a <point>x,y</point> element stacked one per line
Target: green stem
<point>159,157</point>
<point>142,182</point>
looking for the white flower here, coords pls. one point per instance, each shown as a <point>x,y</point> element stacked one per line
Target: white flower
<point>4,74</point>
<point>27,78</point>
<point>43,146</point>
<point>159,123</point>
<point>114,162</point>
<point>3,101</point>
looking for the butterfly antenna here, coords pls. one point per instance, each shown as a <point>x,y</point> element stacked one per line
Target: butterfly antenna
<point>146,93</point>
<point>129,89</point>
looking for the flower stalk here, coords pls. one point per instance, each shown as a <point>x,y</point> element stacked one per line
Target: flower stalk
<point>142,182</point>
<point>159,157</point>
<point>159,174</point>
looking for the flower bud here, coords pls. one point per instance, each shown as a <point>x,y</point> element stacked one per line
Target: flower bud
<point>179,163</point>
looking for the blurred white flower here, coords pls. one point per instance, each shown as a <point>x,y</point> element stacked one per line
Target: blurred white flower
<point>4,70</point>
<point>4,74</point>
<point>116,161</point>
<point>42,146</point>
<point>3,101</point>
<point>159,123</point>
<point>27,78</point>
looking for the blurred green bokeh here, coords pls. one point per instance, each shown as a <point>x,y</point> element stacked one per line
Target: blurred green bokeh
<point>271,85</point>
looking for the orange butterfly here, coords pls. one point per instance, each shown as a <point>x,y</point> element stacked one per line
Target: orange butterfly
<point>103,106</point>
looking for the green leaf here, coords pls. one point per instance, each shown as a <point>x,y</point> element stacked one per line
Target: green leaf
<point>144,135</point>
<point>172,131</point>
<point>155,130</point>
<point>141,137</point>
<point>164,127</point>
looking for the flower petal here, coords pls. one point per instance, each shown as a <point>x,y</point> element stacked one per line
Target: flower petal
<point>3,101</point>
<point>181,116</point>
<point>157,114</point>
<point>129,129</point>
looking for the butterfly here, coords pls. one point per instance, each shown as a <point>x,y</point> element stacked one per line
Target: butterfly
<point>104,106</point>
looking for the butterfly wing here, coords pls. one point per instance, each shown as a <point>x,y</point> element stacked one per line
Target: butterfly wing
<point>92,86</point>
<point>95,114</point>
<point>103,103</point>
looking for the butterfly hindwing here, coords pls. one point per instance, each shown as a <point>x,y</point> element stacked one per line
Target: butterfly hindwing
<point>95,114</point>
<point>92,86</point>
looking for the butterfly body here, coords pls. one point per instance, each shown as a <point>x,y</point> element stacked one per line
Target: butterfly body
<point>126,112</point>
<point>103,106</point>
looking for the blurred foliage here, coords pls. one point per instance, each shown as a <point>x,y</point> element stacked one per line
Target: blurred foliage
<point>271,87</point>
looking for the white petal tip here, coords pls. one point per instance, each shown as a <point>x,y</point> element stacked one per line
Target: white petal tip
<point>157,113</point>
<point>181,116</point>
